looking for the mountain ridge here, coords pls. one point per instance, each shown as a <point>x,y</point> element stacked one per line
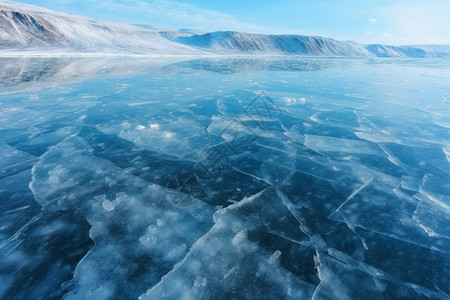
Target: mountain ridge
<point>25,29</point>
<point>232,42</point>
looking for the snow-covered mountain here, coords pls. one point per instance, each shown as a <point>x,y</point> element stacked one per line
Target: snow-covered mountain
<point>27,28</point>
<point>229,42</point>
<point>235,42</point>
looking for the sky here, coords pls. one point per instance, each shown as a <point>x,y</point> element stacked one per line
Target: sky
<point>394,22</point>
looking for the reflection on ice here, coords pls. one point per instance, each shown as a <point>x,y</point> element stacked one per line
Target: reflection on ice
<point>27,73</point>
<point>224,178</point>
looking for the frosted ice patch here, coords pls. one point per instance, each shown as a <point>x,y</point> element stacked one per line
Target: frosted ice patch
<point>274,257</point>
<point>239,237</point>
<point>294,101</point>
<point>108,205</point>
<point>377,138</point>
<point>200,282</point>
<point>57,174</point>
<point>82,118</point>
<point>141,103</point>
<point>148,241</point>
<point>230,272</point>
<point>12,109</point>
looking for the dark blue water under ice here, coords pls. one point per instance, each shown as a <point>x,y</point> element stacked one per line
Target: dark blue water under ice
<point>271,178</point>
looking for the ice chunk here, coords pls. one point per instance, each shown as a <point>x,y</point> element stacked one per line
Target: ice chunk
<point>224,260</point>
<point>108,205</point>
<point>274,257</point>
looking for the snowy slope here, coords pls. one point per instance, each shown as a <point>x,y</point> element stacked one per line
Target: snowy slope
<point>229,42</point>
<point>26,27</point>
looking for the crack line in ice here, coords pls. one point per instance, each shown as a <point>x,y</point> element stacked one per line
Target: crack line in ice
<point>286,238</point>
<point>16,209</point>
<point>374,272</point>
<point>363,186</point>
<point>21,163</point>
<point>314,117</point>
<point>314,295</point>
<point>431,197</point>
<point>393,159</point>
<point>251,175</point>
<point>352,226</point>
<point>447,295</point>
<point>14,241</point>
<point>294,211</point>
<point>273,148</point>
<point>427,230</point>
<point>404,196</point>
<point>392,236</point>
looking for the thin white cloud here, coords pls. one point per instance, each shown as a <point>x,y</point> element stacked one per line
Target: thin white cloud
<point>183,13</point>
<point>416,22</point>
<point>373,20</point>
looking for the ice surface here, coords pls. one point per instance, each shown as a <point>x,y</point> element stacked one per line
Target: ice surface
<point>202,179</point>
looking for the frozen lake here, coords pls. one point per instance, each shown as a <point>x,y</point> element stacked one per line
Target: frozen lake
<point>239,178</point>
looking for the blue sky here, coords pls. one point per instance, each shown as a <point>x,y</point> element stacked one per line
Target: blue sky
<point>394,22</point>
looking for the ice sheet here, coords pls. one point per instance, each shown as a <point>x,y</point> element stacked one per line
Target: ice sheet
<point>224,178</point>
